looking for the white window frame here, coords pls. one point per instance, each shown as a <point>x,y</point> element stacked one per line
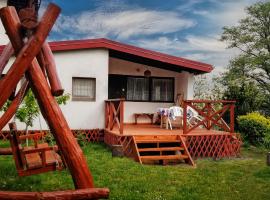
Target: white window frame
<point>83,98</point>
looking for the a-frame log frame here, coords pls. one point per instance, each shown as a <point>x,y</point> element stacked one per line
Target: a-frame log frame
<point>26,63</point>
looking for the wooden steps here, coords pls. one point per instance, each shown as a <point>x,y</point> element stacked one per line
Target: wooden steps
<point>162,149</point>
<point>167,157</point>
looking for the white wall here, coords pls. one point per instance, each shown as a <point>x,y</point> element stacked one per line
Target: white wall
<point>3,37</point>
<point>86,63</point>
<point>183,85</point>
<point>83,63</point>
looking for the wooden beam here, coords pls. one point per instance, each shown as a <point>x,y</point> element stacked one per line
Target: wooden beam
<point>10,112</point>
<point>86,194</point>
<point>25,56</point>
<point>5,56</point>
<point>51,111</point>
<point>50,67</point>
<point>5,151</point>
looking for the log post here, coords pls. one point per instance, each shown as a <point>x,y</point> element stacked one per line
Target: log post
<point>50,67</point>
<point>51,111</point>
<point>5,151</point>
<point>5,118</point>
<point>86,194</point>
<point>11,23</point>
<point>5,56</point>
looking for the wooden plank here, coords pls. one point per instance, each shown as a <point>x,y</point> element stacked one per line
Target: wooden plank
<point>86,194</point>
<point>51,111</point>
<point>157,141</point>
<point>161,149</point>
<point>5,151</point>
<point>33,161</point>
<point>164,157</point>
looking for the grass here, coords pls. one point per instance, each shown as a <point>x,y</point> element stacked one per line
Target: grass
<point>246,178</point>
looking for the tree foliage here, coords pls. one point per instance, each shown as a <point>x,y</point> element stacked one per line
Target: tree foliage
<point>248,77</point>
<point>29,109</point>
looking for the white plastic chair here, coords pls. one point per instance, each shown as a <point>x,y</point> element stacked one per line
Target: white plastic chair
<point>174,113</point>
<point>192,115</point>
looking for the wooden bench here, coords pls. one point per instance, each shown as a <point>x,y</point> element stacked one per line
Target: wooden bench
<point>148,115</point>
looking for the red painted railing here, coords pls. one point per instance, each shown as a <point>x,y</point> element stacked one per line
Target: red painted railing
<point>114,114</point>
<point>211,113</point>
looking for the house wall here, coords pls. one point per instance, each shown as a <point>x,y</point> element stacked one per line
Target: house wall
<point>83,63</point>
<point>183,85</point>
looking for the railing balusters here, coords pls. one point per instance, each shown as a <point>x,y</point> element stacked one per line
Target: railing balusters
<point>114,114</point>
<point>210,115</point>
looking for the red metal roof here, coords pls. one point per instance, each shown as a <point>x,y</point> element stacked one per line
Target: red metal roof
<point>131,50</point>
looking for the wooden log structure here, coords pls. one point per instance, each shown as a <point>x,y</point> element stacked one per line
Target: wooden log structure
<point>51,72</point>
<point>51,111</point>
<point>81,194</point>
<point>5,56</point>
<point>5,151</point>
<point>5,118</point>
<point>29,50</point>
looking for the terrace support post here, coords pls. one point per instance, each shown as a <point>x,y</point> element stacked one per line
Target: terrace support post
<point>185,117</point>
<point>106,114</point>
<point>232,107</point>
<point>121,116</point>
<point>208,115</point>
<point>5,56</point>
<point>111,116</point>
<point>51,111</point>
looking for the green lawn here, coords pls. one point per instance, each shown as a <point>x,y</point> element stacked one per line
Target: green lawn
<point>243,178</point>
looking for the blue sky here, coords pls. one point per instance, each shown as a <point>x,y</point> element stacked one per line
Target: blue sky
<point>186,28</point>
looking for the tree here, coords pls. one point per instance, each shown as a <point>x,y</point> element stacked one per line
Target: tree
<point>29,110</point>
<point>248,76</point>
<point>206,87</point>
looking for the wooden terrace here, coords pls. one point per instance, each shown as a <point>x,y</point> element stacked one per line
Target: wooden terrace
<point>211,137</point>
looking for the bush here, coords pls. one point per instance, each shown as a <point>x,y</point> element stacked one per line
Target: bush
<point>255,129</point>
<point>81,139</point>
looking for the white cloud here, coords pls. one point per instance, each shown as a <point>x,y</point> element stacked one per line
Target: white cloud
<point>204,49</point>
<point>230,12</point>
<point>124,24</point>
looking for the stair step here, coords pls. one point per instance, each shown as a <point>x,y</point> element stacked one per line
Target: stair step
<point>157,141</point>
<point>164,157</point>
<point>161,149</point>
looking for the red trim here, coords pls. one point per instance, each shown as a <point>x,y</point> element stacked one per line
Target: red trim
<point>117,46</point>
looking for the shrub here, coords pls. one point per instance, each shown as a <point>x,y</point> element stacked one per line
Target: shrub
<point>81,139</point>
<point>255,129</point>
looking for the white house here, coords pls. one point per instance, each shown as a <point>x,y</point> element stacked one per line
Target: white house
<point>95,70</point>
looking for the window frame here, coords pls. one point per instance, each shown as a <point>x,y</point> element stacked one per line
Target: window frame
<point>84,98</point>
<point>149,89</point>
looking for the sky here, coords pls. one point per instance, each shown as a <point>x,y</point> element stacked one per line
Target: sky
<point>185,28</point>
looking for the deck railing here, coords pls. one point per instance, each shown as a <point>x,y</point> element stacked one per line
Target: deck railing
<point>211,113</point>
<point>114,114</point>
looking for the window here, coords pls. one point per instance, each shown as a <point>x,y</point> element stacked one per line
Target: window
<point>152,89</point>
<point>83,89</point>
<point>162,89</point>
<point>137,89</point>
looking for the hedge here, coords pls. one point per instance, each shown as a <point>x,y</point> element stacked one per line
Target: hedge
<point>255,129</point>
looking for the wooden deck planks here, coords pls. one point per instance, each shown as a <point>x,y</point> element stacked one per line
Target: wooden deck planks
<point>149,129</point>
